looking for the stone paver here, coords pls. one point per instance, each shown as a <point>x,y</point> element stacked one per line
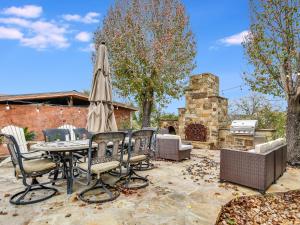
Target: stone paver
<point>169,199</point>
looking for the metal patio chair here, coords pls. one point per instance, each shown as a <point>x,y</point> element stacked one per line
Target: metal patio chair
<point>99,163</point>
<point>71,130</point>
<point>138,153</point>
<point>27,168</point>
<point>59,134</point>
<point>82,133</point>
<point>56,135</point>
<point>152,152</point>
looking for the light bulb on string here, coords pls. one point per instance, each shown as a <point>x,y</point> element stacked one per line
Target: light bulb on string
<point>7,107</point>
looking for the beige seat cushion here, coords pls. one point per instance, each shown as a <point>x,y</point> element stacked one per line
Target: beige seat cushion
<point>135,159</point>
<point>100,167</point>
<point>38,165</point>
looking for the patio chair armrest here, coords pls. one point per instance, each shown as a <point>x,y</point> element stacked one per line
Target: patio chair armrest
<point>32,155</point>
<point>31,151</point>
<point>30,158</point>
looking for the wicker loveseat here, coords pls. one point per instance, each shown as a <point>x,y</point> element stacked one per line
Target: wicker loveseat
<point>170,147</point>
<point>257,168</point>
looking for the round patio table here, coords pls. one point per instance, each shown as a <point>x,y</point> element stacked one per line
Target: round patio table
<point>65,149</point>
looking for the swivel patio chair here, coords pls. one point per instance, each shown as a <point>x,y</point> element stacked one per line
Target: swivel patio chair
<point>82,133</point>
<point>152,152</point>
<point>59,134</point>
<point>99,163</point>
<point>138,153</point>
<point>56,135</point>
<point>71,130</point>
<point>27,168</point>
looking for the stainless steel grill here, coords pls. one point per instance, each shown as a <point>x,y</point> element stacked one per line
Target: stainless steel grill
<point>243,127</point>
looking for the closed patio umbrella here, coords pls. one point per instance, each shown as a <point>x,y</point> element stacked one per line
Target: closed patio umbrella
<point>101,116</point>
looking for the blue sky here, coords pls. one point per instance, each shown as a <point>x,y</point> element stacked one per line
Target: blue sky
<point>46,45</point>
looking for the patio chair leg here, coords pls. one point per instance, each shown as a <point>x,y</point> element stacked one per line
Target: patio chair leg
<point>55,177</point>
<point>18,198</point>
<point>134,176</point>
<point>113,193</point>
<point>144,166</point>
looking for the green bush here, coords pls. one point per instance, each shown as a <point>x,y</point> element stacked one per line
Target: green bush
<point>29,135</point>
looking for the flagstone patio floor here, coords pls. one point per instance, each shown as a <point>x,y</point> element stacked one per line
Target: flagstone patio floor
<point>186,192</point>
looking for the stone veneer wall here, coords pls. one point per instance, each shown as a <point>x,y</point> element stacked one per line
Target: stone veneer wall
<point>228,140</point>
<point>205,106</point>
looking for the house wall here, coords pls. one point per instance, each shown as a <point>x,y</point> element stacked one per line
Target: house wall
<point>52,117</point>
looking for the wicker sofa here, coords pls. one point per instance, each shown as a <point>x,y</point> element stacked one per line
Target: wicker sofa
<point>257,168</point>
<point>170,147</point>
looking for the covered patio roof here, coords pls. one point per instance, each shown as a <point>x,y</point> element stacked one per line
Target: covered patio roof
<point>71,98</point>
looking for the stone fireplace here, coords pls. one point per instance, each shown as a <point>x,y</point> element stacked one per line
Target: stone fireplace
<point>204,121</point>
<point>205,111</point>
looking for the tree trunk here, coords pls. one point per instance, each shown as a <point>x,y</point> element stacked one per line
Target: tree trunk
<point>147,109</point>
<point>293,129</point>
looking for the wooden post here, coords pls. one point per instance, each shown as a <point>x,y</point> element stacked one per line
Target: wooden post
<point>70,101</point>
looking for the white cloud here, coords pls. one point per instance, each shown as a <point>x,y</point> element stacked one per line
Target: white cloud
<point>91,17</point>
<point>27,11</point>
<point>10,33</point>
<point>24,23</point>
<point>15,21</point>
<point>39,34</point>
<point>235,39</point>
<point>47,34</point>
<point>83,36</point>
<point>89,48</point>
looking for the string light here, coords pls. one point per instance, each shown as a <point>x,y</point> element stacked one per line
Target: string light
<point>7,107</point>
<point>232,88</point>
<point>37,109</point>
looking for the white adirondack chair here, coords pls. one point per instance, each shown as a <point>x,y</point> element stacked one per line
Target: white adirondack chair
<point>70,128</point>
<point>19,135</point>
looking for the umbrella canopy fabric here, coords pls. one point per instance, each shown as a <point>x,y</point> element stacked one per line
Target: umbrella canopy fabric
<point>101,116</point>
